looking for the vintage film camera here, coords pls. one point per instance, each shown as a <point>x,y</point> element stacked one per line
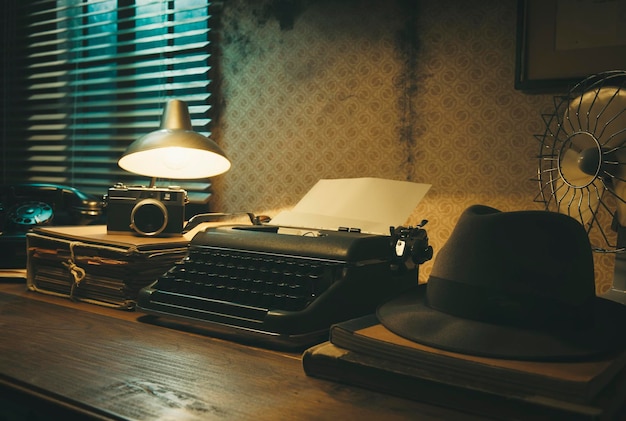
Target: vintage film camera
<point>147,211</point>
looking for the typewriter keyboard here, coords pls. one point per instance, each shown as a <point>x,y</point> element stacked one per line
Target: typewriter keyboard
<point>245,284</point>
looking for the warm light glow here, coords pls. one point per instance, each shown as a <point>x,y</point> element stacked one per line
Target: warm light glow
<point>175,151</point>
<point>175,162</point>
<point>176,158</point>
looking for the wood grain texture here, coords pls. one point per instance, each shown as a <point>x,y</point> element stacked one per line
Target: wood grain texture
<point>109,364</point>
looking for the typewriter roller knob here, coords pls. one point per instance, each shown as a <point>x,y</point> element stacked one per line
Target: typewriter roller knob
<point>410,246</point>
<point>421,254</point>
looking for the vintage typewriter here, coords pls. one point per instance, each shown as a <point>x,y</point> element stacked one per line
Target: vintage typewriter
<point>255,284</point>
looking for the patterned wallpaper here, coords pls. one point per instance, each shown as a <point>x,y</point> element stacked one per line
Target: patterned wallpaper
<point>407,90</point>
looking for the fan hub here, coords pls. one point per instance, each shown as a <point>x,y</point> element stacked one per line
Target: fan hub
<point>589,161</point>
<point>580,159</point>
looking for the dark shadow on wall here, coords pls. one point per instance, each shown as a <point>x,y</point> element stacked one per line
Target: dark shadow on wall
<point>239,23</point>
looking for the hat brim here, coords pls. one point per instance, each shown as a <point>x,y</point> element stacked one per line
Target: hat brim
<point>408,316</point>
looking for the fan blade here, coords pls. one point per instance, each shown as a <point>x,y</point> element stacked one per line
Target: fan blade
<point>619,187</point>
<point>602,113</point>
<point>579,203</point>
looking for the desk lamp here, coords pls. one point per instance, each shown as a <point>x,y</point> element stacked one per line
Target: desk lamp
<point>175,150</point>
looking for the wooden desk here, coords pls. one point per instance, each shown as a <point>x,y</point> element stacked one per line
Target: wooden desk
<point>59,358</point>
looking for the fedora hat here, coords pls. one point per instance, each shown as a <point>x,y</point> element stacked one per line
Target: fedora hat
<point>516,285</point>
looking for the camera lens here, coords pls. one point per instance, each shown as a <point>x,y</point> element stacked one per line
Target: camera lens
<point>148,217</point>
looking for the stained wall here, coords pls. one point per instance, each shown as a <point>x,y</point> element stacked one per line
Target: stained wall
<point>407,90</point>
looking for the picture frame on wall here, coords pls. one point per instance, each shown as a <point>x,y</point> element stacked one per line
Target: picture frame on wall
<point>560,42</point>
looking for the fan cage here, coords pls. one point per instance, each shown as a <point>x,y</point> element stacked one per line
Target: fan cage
<point>555,192</point>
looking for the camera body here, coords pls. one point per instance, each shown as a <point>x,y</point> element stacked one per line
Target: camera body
<point>147,211</point>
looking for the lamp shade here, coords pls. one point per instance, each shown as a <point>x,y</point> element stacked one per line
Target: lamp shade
<point>175,150</point>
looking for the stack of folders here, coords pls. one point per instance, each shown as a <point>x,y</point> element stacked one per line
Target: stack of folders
<point>364,353</point>
<point>85,263</point>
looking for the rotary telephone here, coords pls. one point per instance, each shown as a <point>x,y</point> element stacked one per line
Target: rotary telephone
<point>24,206</point>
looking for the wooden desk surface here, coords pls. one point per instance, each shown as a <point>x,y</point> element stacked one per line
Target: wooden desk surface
<point>105,363</point>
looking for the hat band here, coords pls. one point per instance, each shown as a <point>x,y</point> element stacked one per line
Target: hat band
<point>510,308</point>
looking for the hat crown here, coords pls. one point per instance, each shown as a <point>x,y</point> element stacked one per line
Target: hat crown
<point>530,268</point>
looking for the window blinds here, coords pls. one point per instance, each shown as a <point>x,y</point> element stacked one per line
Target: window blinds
<point>89,77</point>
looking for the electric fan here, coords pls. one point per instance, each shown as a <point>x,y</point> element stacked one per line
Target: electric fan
<point>582,165</point>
